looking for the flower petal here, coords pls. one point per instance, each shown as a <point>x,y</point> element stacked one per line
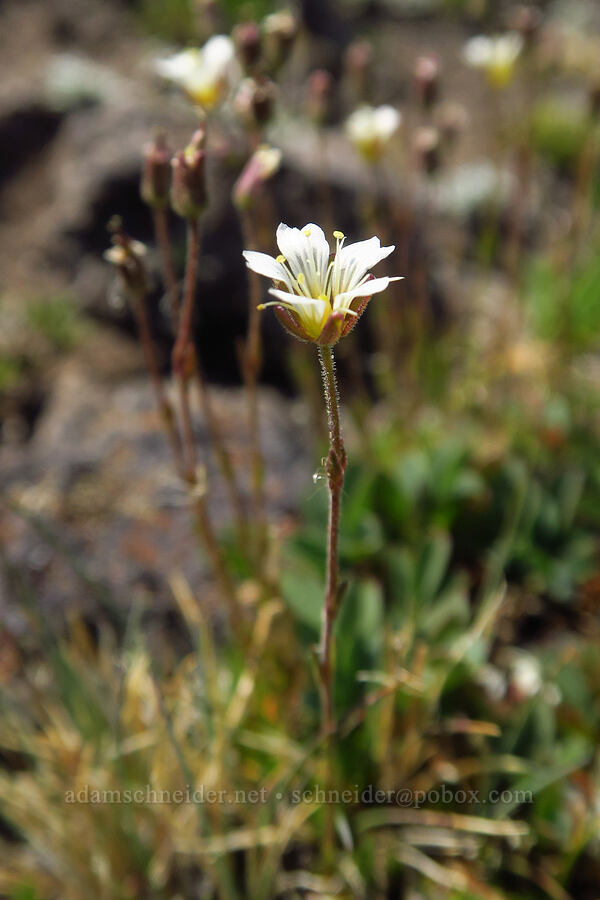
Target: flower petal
<point>362,256</point>
<point>307,251</point>
<point>266,265</point>
<point>366,289</point>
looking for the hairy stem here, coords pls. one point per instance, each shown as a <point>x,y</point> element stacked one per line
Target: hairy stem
<point>335,468</point>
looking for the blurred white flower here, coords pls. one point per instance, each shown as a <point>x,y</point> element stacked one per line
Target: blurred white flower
<point>318,300</point>
<point>370,128</point>
<point>205,74</point>
<point>526,674</point>
<point>495,55</point>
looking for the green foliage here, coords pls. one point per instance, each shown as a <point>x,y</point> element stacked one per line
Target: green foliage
<point>57,319</point>
<point>560,130</point>
<point>563,305</point>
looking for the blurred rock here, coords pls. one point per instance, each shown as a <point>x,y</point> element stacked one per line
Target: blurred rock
<point>101,514</point>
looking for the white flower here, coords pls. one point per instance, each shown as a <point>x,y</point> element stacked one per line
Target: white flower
<point>496,55</point>
<point>319,299</point>
<point>370,129</point>
<point>204,74</point>
<point>526,674</point>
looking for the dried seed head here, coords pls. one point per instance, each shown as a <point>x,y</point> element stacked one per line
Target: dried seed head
<point>188,187</point>
<point>247,39</point>
<point>319,94</point>
<point>156,173</point>
<point>255,101</point>
<point>358,63</point>
<point>526,20</point>
<point>427,80</point>
<point>427,149</point>
<point>280,30</point>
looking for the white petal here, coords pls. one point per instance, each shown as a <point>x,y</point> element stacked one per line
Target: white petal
<point>306,251</point>
<point>310,311</point>
<point>265,265</point>
<point>372,286</point>
<point>387,121</point>
<point>291,242</point>
<point>179,67</point>
<point>478,51</point>
<point>218,53</point>
<point>364,255</point>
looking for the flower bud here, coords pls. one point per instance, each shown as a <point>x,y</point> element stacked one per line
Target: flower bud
<point>247,40</point>
<point>280,31</point>
<point>255,100</point>
<point>526,21</point>
<point>318,100</point>
<point>261,166</point>
<point>188,188</point>
<point>427,149</point>
<point>156,173</point>
<point>358,63</point>
<point>427,80</point>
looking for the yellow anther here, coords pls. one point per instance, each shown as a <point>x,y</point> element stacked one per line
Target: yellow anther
<point>300,278</point>
<point>280,258</point>
<point>339,235</point>
<point>261,306</point>
<point>306,232</point>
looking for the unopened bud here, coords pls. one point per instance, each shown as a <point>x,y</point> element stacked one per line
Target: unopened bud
<point>427,149</point>
<point>526,20</point>
<point>318,99</point>
<point>188,187</point>
<point>127,256</point>
<point>261,166</point>
<point>247,40</point>
<point>452,119</point>
<point>156,173</point>
<point>427,80</point>
<point>255,100</point>
<point>280,31</point>
<point>358,63</point>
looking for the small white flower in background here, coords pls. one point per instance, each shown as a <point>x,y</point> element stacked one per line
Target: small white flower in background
<point>526,674</point>
<point>370,128</point>
<point>317,298</point>
<point>495,55</point>
<point>205,74</point>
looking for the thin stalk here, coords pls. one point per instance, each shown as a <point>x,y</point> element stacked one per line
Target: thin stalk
<point>224,460</point>
<point>335,468</point>
<point>162,402</point>
<point>161,231</point>
<point>184,364</point>
<point>251,364</point>
<point>184,349</point>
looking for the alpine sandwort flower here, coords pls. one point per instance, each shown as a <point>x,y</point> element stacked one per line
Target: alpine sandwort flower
<point>370,129</point>
<point>495,55</point>
<point>319,297</point>
<point>204,74</point>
